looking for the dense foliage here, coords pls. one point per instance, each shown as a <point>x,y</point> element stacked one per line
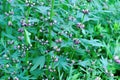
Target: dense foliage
<point>59,39</point>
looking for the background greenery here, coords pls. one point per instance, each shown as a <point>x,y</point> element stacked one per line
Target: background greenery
<point>59,39</point>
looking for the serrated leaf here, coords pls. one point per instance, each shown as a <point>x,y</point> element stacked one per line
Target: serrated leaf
<point>67,44</point>
<point>62,63</point>
<point>38,62</point>
<point>75,77</point>
<point>92,42</point>
<point>84,63</point>
<point>8,35</point>
<point>104,62</point>
<point>43,9</point>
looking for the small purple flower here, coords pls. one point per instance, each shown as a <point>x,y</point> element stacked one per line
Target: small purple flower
<point>10,42</point>
<point>7,65</point>
<point>55,47</point>
<point>6,14</point>
<point>116,57</point>
<point>11,12</point>
<point>76,41</point>
<point>10,23</point>
<point>72,18</point>
<point>70,35</point>
<point>73,61</point>
<point>20,37</point>
<point>80,25</point>
<point>16,78</point>
<point>97,78</point>
<point>15,47</point>
<point>18,47</point>
<point>20,30</point>
<point>58,40</point>
<point>56,60</point>
<point>118,61</point>
<point>58,49</point>
<point>85,11</point>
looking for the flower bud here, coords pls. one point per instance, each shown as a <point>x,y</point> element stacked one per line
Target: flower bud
<point>76,41</point>
<point>85,11</point>
<point>80,25</point>
<point>10,23</point>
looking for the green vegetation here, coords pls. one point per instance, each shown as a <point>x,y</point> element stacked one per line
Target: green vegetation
<point>59,40</point>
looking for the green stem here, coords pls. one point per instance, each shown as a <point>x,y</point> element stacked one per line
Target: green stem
<point>27,14</point>
<point>72,55</point>
<point>51,12</point>
<point>27,53</point>
<point>59,73</point>
<point>4,6</point>
<point>83,18</point>
<point>50,27</point>
<point>26,59</point>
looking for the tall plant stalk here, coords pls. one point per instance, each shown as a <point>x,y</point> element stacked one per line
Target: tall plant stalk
<point>27,36</point>
<point>50,27</point>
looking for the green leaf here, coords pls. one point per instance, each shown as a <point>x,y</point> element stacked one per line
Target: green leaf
<point>67,44</point>
<point>62,63</point>
<point>37,72</point>
<point>75,76</point>
<point>8,35</point>
<point>116,26</point>
<point>43,9</point>
<point>104,62</point>
<point>26,36</point>
<point>38,62</point>
<point>33,20</point>
<point>84,63</point>
<point>94,42</point>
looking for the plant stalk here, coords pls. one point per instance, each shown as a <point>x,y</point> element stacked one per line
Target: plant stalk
<point>50,27</point>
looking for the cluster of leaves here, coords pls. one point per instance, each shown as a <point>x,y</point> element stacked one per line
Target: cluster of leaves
<point>59,39</point>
